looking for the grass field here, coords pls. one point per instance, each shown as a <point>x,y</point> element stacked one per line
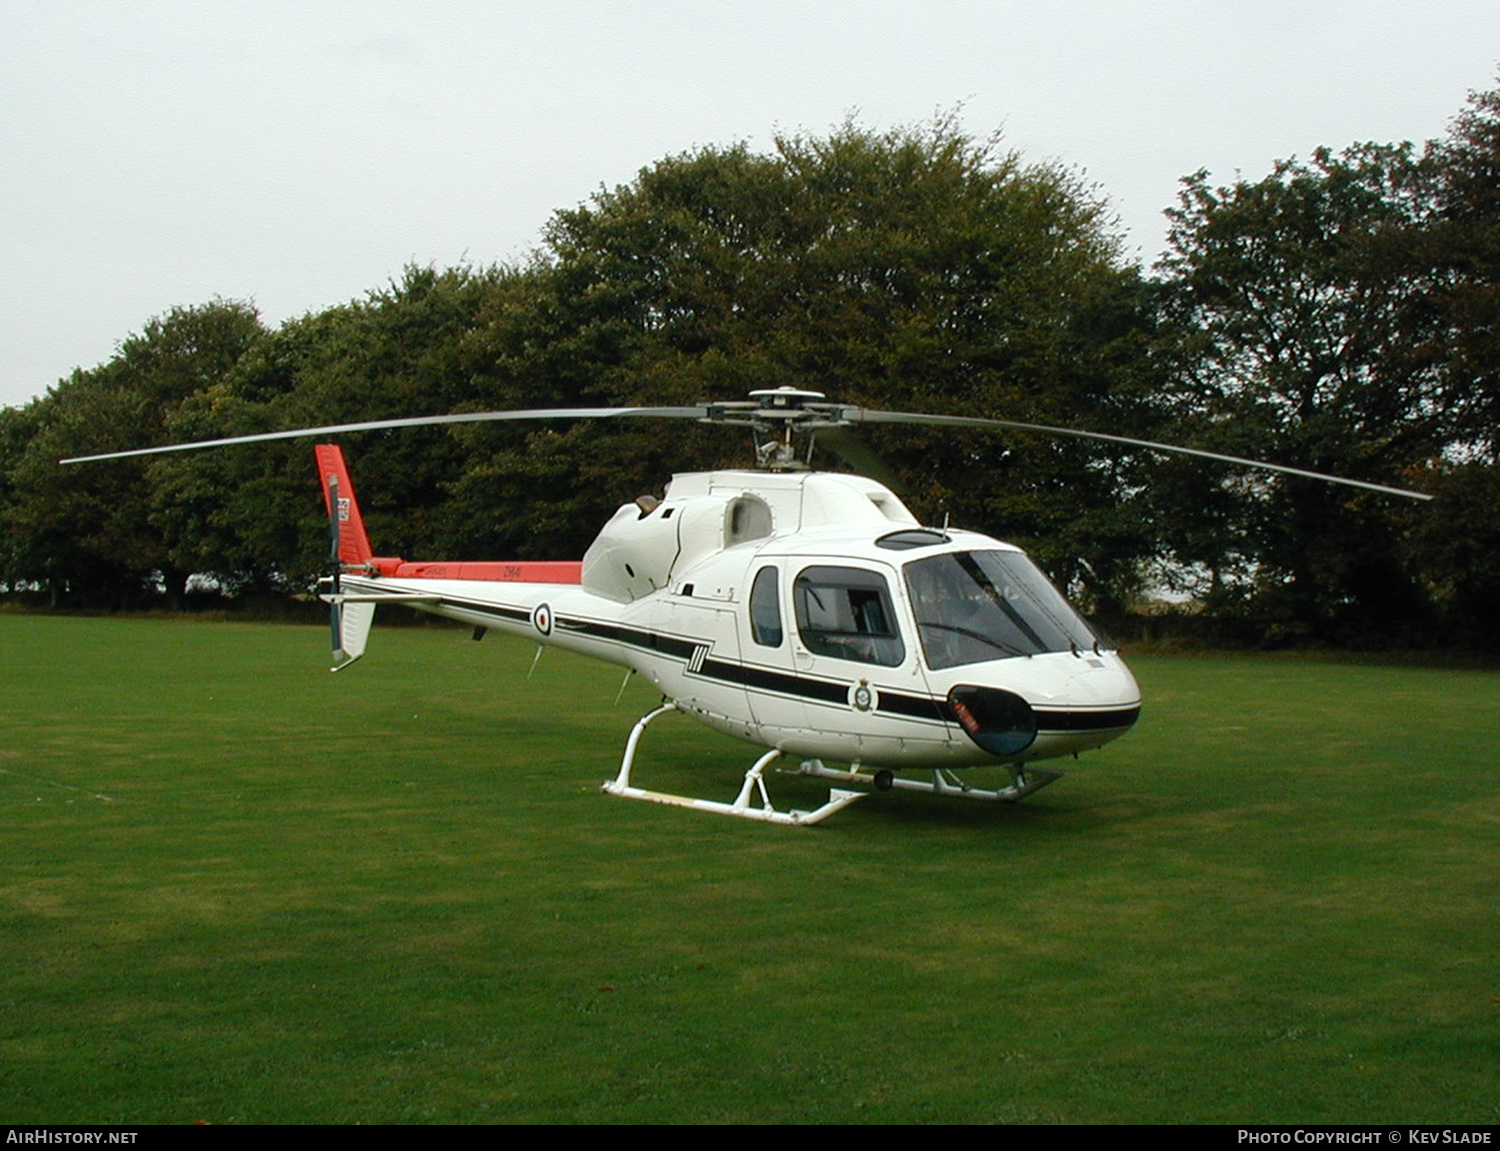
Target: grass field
<point>236,888</point>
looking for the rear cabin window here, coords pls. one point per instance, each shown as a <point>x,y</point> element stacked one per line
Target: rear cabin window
<point>765,609</point>
<point>846,613</point>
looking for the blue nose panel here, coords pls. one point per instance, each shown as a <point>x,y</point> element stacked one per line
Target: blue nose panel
<point>1000,722</point>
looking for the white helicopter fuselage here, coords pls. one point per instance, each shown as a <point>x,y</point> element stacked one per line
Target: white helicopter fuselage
<point>797,611</point>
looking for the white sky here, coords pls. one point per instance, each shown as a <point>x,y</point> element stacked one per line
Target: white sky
<point>164,152</point>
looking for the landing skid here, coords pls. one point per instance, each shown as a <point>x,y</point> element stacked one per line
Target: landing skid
<point>755,784</point>
<point>943,782</point>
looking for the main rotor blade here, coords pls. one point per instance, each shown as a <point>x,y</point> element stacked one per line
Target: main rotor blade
<point>867,415</point>
<point>695,413</point>
<point>834,414</point>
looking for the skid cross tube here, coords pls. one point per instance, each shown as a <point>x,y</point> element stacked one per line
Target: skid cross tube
<point>943,782</point>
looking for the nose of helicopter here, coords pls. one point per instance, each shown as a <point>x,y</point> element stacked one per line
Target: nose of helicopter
<point>1067,701</point>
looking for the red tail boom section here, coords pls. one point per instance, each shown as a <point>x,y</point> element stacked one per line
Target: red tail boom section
<point>355,551</point>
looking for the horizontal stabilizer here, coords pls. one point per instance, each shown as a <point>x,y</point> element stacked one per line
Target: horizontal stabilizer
<point>381,597</point>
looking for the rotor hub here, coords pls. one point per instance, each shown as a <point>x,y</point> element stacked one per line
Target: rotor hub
<point>779,413</point>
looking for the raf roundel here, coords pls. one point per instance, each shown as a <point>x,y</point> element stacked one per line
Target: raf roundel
<point>541,618</point>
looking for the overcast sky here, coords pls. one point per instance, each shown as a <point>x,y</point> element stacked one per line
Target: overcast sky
<point>299,154</point>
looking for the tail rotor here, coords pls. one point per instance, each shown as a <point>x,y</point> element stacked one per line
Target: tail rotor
<point>335,571</point>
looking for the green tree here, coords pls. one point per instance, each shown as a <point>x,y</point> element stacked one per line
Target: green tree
<point>1462,243</point>
<point>1301,337</point>
<point>88,530</point>
<point>917,268</point>
<point>1452,542</point>
<point>19,565</point>
<point>251,515</point>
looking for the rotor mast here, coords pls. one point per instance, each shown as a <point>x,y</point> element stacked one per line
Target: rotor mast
<point>776,415</point>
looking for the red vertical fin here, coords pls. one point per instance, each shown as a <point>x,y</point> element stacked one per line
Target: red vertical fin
<point>354,545</point>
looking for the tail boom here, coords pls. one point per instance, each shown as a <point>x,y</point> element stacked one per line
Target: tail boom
<point>353,611</point>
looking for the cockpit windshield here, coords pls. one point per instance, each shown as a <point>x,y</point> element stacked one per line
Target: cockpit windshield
<point>976,606</point>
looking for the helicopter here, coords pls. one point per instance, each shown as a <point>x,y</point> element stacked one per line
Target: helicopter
<point>809,613</point>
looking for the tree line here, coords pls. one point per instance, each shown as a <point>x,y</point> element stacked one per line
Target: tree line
<point>1339,315</point>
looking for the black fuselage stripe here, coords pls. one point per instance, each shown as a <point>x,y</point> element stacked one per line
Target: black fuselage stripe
<point>632,637</point>
<point>1086,720</point>
<point>510,614</point>
<point>784,683</point>
<point>915,707</point>
<point>930,708</point>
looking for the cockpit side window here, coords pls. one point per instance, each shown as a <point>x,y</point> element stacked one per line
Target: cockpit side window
<point>765,609</point>
<point>846,613</point>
